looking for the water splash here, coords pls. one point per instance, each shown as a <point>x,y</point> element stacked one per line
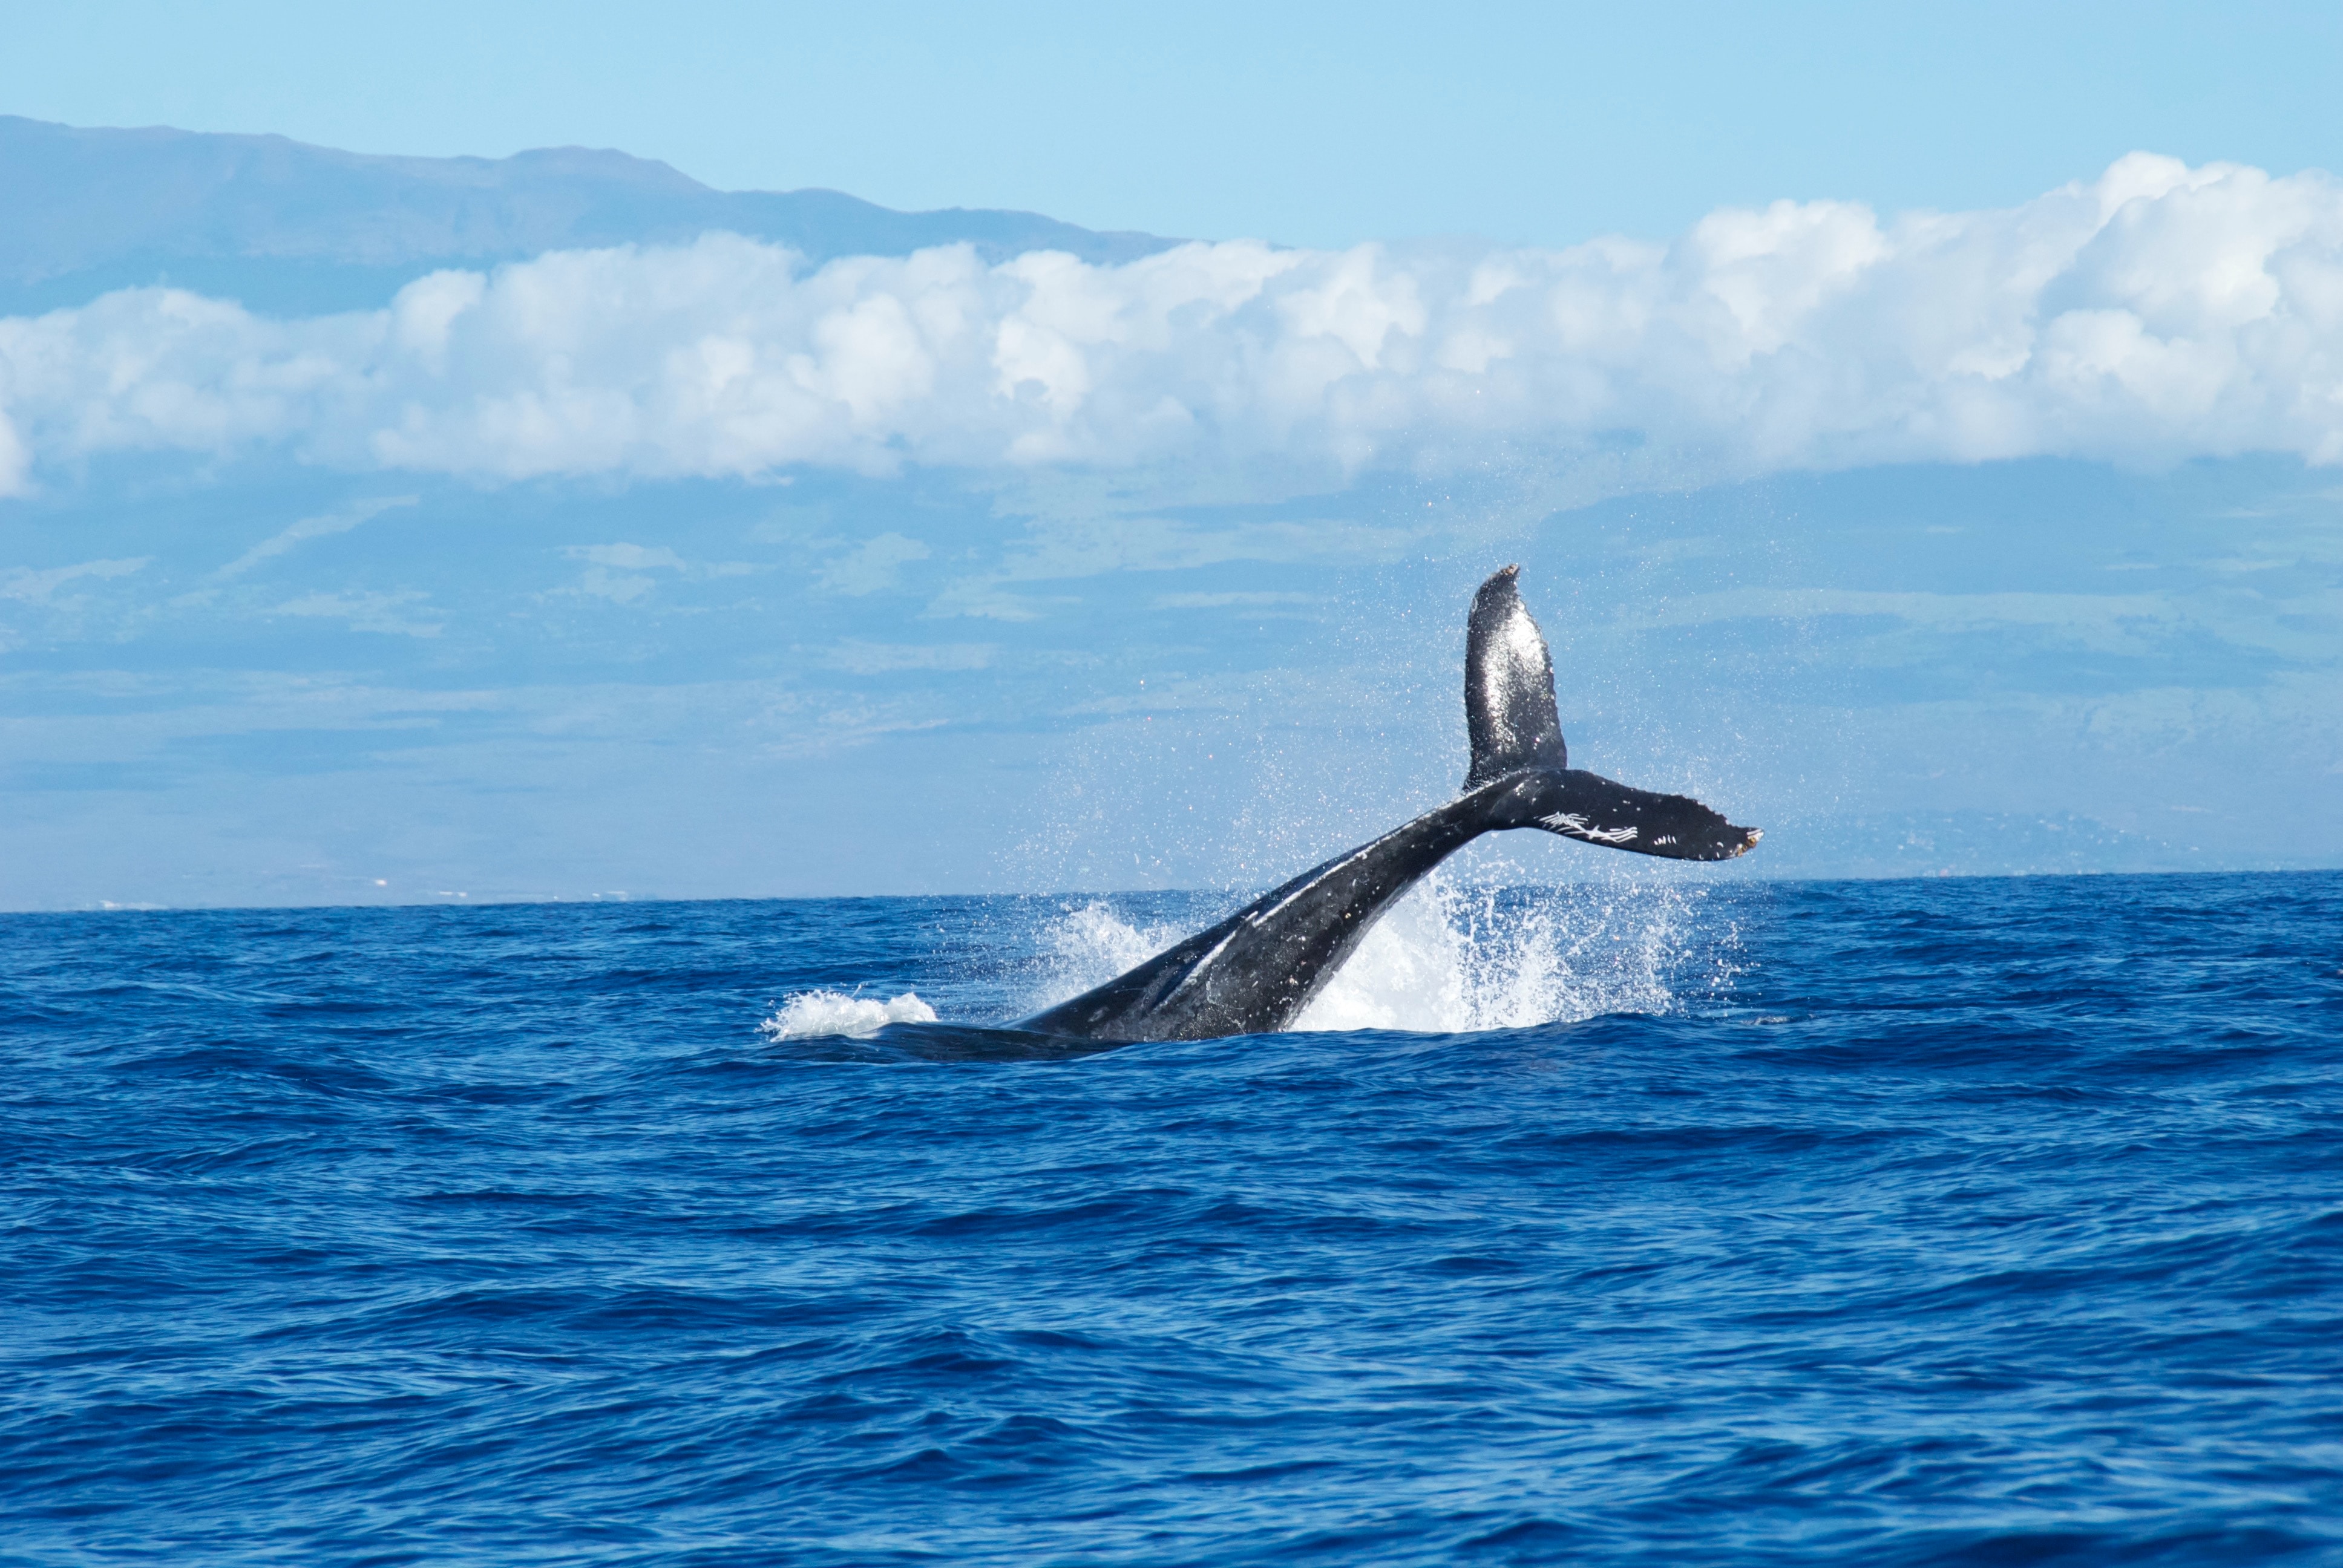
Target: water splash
<point>1451,957</point>
<point>818,1014</point>
<point>1089,944</point>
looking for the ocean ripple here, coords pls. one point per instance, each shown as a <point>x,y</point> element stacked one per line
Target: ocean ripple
<point>1915,1222</point>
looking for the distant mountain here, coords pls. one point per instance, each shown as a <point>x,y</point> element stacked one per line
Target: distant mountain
<point>289,228</point>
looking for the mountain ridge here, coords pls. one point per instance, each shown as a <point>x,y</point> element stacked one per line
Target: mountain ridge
<point>288,228</point>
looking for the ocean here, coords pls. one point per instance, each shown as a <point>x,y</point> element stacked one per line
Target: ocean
<point>1922,1222</point>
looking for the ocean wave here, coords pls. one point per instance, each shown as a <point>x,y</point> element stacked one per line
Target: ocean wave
<point>1879,1223</point>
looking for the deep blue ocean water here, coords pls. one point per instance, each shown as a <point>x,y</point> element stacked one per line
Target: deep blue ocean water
<point>1922,1222</point>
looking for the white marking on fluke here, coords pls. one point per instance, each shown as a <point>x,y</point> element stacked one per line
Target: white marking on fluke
<point>1570,822</point>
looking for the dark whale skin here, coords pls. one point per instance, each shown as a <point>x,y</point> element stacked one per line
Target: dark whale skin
<point>1256,970</point>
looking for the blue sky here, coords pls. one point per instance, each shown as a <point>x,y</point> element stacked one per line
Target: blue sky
<point>1922,439</point>
<point>1307,124</point>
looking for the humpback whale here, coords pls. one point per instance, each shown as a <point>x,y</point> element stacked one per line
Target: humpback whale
<point>1256,970</point>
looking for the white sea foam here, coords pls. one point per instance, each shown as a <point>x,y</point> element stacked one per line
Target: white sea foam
<point>814,1014</point>
<point>1450,959</point>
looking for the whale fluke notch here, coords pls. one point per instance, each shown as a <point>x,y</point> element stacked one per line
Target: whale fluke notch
<point>1509,708</point>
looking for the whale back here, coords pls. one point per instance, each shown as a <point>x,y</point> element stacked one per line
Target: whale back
<point>1509,708</point>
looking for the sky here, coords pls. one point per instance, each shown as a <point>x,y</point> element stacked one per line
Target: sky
<point>1922,438</point>
<point>1305,124</point>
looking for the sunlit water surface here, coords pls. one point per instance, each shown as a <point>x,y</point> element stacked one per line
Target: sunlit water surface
<point>1992,1221</point>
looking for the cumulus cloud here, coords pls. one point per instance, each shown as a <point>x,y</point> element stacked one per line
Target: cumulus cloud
<point>2157,312</point>
<point>857,658</point>
<point>14,462</point>
<point>316,527</point>
<point>389,613</point>
<point>34,586</point>
<point>617,572</point>
<point>873,565</point>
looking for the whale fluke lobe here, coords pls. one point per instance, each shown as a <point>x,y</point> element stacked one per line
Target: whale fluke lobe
<point>1594,809</point>
<point>1257,969</point>
<point>1509,708</point>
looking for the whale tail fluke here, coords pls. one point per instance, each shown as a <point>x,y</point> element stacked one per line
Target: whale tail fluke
<point>1516,732</point>
<point>1258,968</point>
<point>1509,708</point>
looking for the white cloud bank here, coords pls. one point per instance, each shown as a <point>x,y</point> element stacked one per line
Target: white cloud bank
<point>2158,312</point>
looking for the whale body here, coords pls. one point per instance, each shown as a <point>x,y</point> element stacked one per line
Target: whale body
<point>1255,971</point>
